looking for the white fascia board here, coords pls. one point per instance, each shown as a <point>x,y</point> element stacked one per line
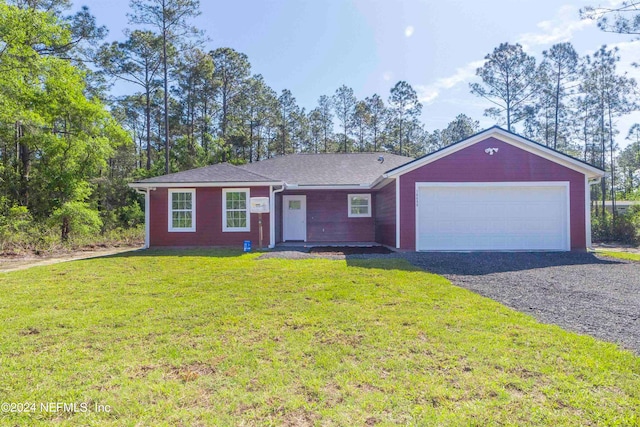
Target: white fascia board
<point>328,187</point>
<point>382,181</point>
<point>144,185</point>
<point>201,184</point>
<point>377,181</point>
<point>508,138</point>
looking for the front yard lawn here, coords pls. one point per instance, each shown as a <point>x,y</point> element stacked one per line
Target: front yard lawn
<point>621,255</point>
<point>222,338</point>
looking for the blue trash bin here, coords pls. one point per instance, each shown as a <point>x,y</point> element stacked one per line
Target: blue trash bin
<point>247,245</point>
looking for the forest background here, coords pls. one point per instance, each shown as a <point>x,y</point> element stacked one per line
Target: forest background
<point>69,146</point>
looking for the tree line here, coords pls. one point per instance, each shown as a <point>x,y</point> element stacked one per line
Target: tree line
<point>68,147</point>
<point>221,112</point>
<point>567,102</point>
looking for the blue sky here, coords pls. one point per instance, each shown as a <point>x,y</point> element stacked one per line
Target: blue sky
<point>314,46</point>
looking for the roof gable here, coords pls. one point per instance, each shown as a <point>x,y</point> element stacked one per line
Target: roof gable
<point>506,137</point>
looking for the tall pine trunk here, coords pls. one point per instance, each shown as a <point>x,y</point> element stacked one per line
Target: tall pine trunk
<point>557,107</point>
<point>603,159</point>
<point>613,179</point>
<point>24,164</point>
<point>166,90</point>
<point>147,112</point>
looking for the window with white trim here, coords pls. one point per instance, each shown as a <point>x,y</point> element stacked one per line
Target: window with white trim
<point>359,205</point>
<point>235,209</point>
<point>182,209</point>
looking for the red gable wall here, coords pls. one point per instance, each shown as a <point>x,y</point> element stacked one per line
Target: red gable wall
<point>472,164</point>
<point>208,221</point>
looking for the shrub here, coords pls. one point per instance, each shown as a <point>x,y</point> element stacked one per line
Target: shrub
<point>20,232</point>
<point>76,219</point>
<point>621,228</point>
<point>15,223</point>
<point>130,216</point>
<point>633,216</point>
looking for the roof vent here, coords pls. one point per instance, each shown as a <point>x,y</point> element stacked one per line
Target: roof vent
<point>380,159</point>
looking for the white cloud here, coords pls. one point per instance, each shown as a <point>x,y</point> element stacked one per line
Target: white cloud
<point>408,32</point>
<point>628,52</point>
<point>428,93</point>
<point>387,75</point>
<point>557,30</point>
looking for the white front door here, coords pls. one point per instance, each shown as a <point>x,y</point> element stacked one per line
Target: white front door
<point>294,218</point>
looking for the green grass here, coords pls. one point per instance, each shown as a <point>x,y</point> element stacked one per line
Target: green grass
<point>622,255</point>
<point>221,338</point>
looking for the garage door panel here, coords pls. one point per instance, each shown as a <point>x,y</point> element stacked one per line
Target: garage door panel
<point>519,217</point>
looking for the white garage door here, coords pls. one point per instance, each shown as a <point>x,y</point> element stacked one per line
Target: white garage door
<point>492,216</point>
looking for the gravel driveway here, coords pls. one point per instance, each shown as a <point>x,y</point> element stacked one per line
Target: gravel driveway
<point>577,291</point>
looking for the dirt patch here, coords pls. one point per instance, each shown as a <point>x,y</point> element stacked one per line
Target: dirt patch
<point>300,418</point>
<point>29,331</point>
<point>21,262</point>
<point>615,247</point>
<point>191,372</point>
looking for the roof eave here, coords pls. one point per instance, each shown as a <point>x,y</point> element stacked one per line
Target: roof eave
<point>205,184</point>
<point>293,186</point>
<point>381,181</point>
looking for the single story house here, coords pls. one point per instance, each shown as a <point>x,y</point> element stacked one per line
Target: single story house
<point>494,191</point>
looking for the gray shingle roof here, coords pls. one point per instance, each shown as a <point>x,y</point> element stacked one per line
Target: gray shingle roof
<point>221,172</point>
<point>301,169</point>
<point>327,169</point>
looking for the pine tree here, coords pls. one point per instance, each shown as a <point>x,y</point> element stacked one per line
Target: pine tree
<point>170,19</point>
<point>508,81</point>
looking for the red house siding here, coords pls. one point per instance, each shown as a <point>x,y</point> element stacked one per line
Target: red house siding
<point>328,219</point>
<point>208,221</point>
<point>472,164</point>
<point>386,215</point>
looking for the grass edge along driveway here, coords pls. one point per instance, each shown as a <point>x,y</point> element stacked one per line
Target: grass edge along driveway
<point>630,256</point>
<point>222,338</point>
